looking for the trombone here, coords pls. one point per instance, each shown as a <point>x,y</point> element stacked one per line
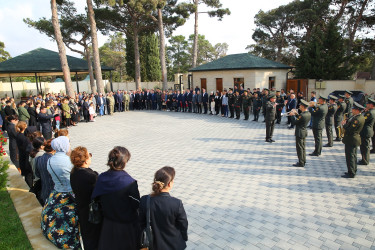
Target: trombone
<point>290,113</point>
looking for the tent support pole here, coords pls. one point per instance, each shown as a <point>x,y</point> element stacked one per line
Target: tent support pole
<point>11,85</point>
<point>36,80</point>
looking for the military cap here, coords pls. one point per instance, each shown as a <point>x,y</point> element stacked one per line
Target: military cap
<point>332,97</point>
<point>271,96</point>
<point>342,96</point>
<point>349,92</point>
<point>304,103</point>
<point>323,97</point>
<point>278,91</point>
<point>371,101</point>
<point>265,89</point>
<point>231,89</point>
<point>358,106</point>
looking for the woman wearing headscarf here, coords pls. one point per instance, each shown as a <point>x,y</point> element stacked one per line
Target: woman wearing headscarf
<point>119,197</point>
<point>59,221</point>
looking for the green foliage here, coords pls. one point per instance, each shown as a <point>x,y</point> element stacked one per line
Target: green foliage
<point>23,93</point>
<point>112,54</point>
<point>130,60</point>
<point>4,55</point>
<point>150,58</point>
<point>323,57</point>
<point>4,165</point>
<point>12,234</point>
<point>217,10</point>
<point>178,56</point>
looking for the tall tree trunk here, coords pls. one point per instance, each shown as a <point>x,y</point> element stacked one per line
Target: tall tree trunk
<point>195,44</point>
<point>91,72</point>
<point>162,50</point>
<point>95,47</point>
<point>354,31</point>
<point>62,52</point>
<point>136,59</point>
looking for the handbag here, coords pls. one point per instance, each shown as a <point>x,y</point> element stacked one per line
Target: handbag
<point>95,212</point>
<point>146,235</point>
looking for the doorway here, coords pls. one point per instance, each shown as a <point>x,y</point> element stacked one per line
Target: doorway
<point>203,84</point>
<point>219,84</point>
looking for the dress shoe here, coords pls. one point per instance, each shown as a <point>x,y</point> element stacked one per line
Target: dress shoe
<point>372,151</point>
<point>337,139</point>
<point>298,165</point>
<point>327,145</point>
<point>290,127</point>
<point>254,120</point>
<point>361,163</point>
<point>268,140</point>
<point>264,121</point>
<point>272,140</point>
<point>347,175</point>
<point>277,122</point>
<point>313,154</point>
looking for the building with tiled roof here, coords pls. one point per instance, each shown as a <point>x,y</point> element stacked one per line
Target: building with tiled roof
<point>244,70</point>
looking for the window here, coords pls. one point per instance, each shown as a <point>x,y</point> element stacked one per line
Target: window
<point>239,82</point>
<point>271,82</point>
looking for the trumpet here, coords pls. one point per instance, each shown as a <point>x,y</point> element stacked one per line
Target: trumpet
<point>290,113</point>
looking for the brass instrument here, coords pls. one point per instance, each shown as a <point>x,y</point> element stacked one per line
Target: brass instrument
<point>340,128</point>
<point>290,113</point>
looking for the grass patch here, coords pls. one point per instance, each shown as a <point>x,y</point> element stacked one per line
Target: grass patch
<point>12,234</point>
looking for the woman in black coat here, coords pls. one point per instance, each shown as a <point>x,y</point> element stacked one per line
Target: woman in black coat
<point>24,148</point>
<point>11,130</point>
<point>33,114</point>
<point>168,218</point>
<point>82,180</point>
<point>119,197</point>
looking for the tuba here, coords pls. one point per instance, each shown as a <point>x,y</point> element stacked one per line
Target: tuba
<point>340,128</point>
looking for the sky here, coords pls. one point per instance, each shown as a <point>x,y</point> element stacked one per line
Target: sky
<point>235,30</point>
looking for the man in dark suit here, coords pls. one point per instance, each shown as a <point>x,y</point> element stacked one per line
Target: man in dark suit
<point>45,122</point>
<point>189,100</point>
<point>270,118</point>
<point>231,103</point>
<point>318,113</point>
<point>301,121</point>
<point>237,104</point>
<point>367,132</point>
<point>290,105</point>
<point>280,105</point>
<point>352,139</point>
<point>204,100</point>
<point>257,105</point>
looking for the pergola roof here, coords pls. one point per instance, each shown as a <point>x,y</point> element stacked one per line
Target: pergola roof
<point>42,62</point>
<point>240,62</point>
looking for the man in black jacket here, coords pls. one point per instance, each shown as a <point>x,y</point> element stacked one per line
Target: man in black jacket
<point>45,122</point>
<point>204,100</point>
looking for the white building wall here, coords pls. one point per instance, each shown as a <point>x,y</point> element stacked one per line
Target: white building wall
<point>252,78</point>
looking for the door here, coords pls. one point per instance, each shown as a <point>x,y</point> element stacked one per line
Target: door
<point>219,84</point>
<point>298,85</point>
<point>203,84</point>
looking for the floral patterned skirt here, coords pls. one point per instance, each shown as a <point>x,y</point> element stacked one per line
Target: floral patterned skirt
<point>59,220</point>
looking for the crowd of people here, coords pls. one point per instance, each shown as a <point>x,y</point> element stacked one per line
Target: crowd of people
<point>65,185</point>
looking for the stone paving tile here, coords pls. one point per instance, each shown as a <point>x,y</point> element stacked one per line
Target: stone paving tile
<point>238,191</point>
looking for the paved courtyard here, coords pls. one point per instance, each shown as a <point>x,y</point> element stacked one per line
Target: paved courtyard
<point>240,192</point>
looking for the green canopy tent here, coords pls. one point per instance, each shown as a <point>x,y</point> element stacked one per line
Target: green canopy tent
<point>43,62</point>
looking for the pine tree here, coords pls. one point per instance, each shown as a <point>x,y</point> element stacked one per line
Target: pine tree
<point>323,57</point>
<point>130,62</point>
<point>153,58</point>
